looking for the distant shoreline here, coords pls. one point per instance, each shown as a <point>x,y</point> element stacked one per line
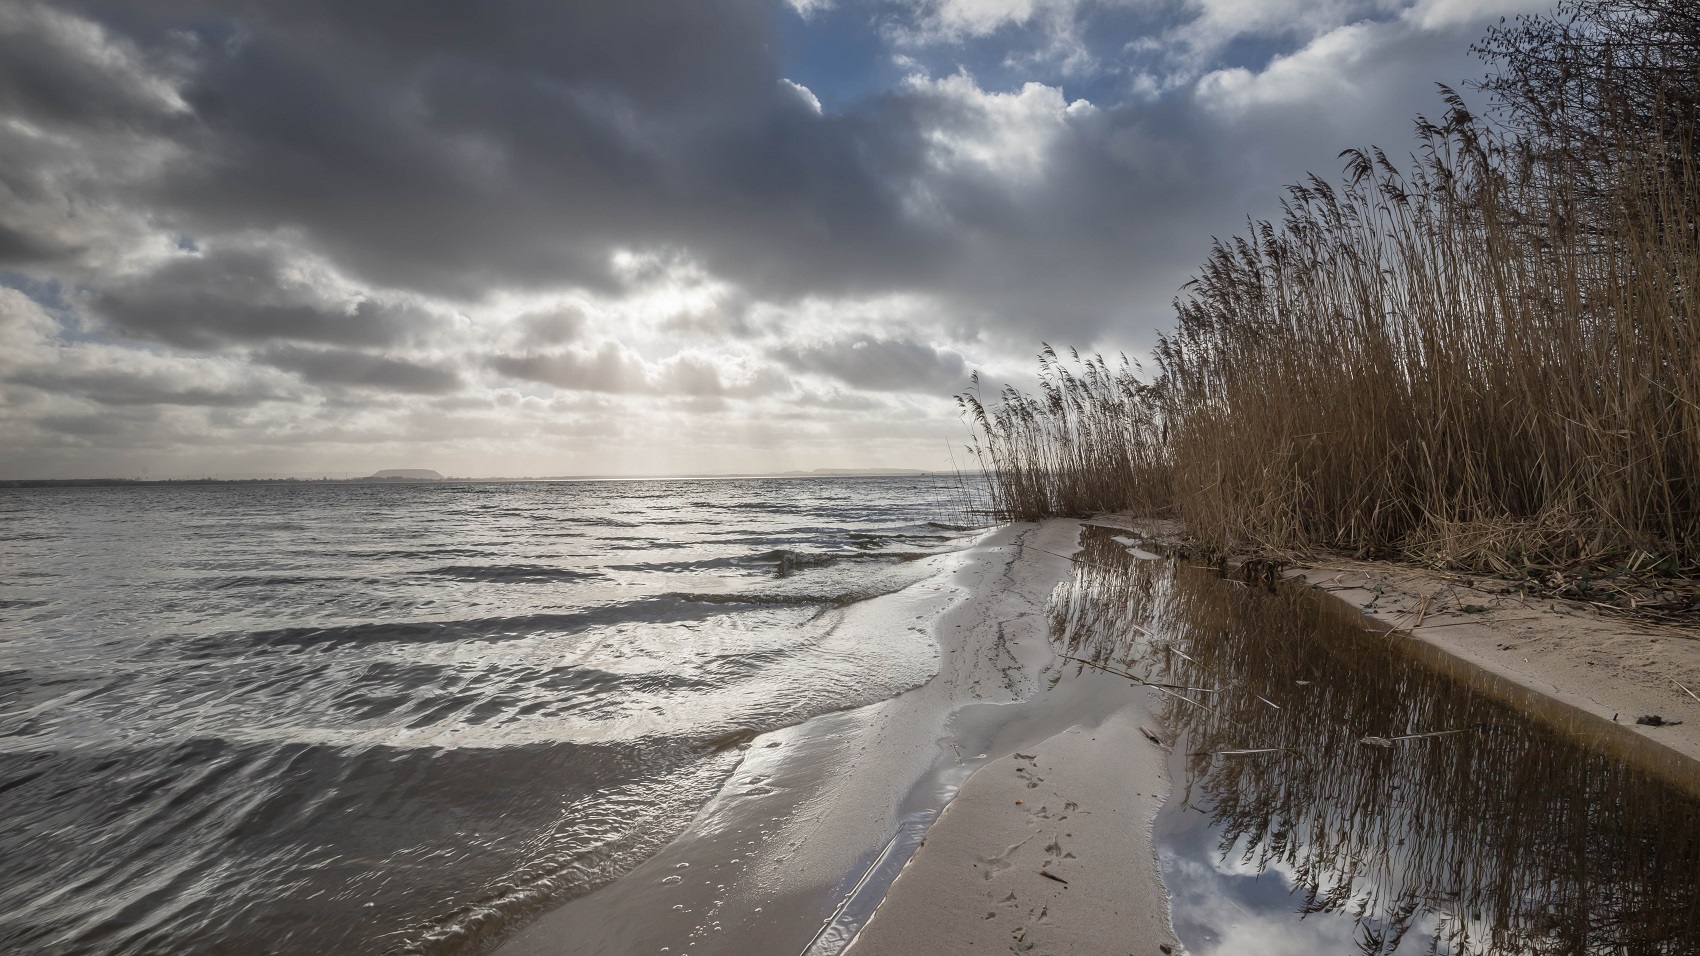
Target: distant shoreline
<point>372,480</point>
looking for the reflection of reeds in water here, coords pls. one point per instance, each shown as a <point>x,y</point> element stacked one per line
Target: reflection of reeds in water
<point>1511,838</point>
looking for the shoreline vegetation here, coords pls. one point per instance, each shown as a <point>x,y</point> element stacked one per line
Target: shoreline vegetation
<point>1482,360</point>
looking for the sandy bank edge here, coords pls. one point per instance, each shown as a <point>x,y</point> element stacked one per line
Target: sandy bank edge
<point>1615,669</point>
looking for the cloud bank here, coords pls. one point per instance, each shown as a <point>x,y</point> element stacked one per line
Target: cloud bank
<point>727,235</point>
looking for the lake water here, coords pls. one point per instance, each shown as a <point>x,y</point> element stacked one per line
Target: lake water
<point>403,718</point>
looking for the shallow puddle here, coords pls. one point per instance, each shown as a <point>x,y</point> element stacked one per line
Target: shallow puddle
<point>1339,788</point>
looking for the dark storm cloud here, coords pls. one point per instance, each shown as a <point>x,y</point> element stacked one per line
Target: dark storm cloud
<point>21,248</point>
<point>453,147</point>
<point>57,75</point>
<point>341,367</point>
<point>81,114</point>
<point>244,296</point>
<point>884,365</point>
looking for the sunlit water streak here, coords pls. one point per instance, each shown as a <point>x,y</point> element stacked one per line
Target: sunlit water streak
<point>366,718</point>
<point>1538,830</point>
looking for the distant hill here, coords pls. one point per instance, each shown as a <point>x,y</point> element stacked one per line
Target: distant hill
<point>409,474</point>
<point>855,473</point>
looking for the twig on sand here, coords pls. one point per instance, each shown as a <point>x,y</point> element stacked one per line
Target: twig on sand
<point>1047,874</point>
<point>1685,689</point>
<point>1423,611</point>
<point>1503,620</point>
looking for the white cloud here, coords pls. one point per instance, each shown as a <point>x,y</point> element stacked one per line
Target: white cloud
<point>1322,69</point>
<point>807,94</point>
<point>1335,64</point>
<point>1193,48</point>
<point>1448,14</point>
<point>1008,135</point>
<point>807,8</point>
<point>958,18</point>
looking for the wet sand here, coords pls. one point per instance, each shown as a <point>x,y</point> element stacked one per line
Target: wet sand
<point>1079,806</point>
<point>1048,850</point>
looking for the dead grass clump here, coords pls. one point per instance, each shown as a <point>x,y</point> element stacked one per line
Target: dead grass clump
<point>1520,547</point>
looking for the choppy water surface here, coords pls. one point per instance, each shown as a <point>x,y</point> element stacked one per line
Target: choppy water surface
<point>370,718</point>
<point>1535,830</point>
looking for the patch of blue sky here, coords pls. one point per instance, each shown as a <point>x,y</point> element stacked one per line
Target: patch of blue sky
<point>853,49</point>
<point>52,296</point>
<point>839,52</point>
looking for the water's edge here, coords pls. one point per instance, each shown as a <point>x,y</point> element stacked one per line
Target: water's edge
<point>797,848</point>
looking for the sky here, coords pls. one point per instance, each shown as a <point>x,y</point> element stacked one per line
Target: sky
<point>533,237</point>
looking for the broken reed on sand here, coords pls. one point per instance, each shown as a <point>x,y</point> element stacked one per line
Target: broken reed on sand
<point>1485,359</point>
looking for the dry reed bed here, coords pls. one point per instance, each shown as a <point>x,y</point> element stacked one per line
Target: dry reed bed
<point>1486,360</point>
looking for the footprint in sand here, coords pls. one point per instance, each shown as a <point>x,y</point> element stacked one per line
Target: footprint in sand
<point>1057,852</point>
<point>1026,773</point>
<point>992,866</point>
